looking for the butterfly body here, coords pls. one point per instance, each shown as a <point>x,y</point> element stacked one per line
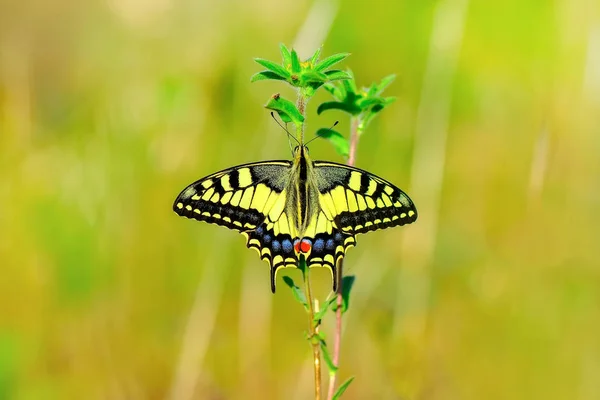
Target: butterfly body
<point>300,208</point>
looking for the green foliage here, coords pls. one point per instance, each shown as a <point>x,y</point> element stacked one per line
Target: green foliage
<point>324,308</point>
<point>339,142</point>
<point>362,103</point>
<point>307,75</point>
<point>296,291</point>
<point>342,388</point>
<point>286,109</point>
<point>327,357</point>
<point>347,284</point>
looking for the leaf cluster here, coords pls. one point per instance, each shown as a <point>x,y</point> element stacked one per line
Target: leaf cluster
<point>308,75</point>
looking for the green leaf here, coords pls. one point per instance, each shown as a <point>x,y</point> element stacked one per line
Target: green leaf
<point>366,102</point>
<point>385,82</point>
<point>296,291</point>
<point>295,62</point>
<point>302,264</point>
<point>349,85</point>
<point>339,142</point>
<point>328,360</point>
<point>286,109</point>
<point>285,55</point>
<point>334,91</point>
<point>315,57</point>
<point>338,105</point>
<point>347,283</point>
<point>261,76</point>
<point>380,106</point>
<point>336,75</point>
<point>321,313</point>
<point>342,388</point>
<point>331,60</point>
<point>276,68</point>
<point>313,76</point>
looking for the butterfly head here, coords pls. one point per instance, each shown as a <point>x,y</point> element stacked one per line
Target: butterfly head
<point>300,151</point>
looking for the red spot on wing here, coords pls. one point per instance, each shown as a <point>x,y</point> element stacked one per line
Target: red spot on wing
<point>302,246</point>
<point>305,245</point>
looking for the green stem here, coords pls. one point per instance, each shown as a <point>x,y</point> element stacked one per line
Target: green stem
<point>337,344</point>
<point>301,106</point>
<point>313,329</point>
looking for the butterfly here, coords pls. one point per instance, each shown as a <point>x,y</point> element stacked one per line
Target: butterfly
<point>299,208</point>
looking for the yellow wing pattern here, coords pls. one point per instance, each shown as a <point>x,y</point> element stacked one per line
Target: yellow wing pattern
<point>251,199</point>
<point>351,201</point>
<point>239,198</point>
<point>357,201</point>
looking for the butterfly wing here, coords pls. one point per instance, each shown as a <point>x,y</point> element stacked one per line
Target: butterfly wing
<point>351,201</point>
<point>358,201</point>
<point>250,199</point>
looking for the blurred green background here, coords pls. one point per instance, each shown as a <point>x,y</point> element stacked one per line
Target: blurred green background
<point>109,109</point>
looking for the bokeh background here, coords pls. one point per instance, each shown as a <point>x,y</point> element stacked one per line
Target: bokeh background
<point>109,108</point>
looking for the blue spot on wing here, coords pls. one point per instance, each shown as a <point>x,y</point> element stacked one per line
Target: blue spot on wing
<point>276,246</point>
<point>330,245</point>
<point>287,246</point>
<point>319,245</point>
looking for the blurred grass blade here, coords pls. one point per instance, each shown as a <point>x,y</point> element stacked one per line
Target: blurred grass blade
<point>330,61</point>
<point>340,391</point>
<point>339,142</point>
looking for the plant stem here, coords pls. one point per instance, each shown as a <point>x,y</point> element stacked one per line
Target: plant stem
<point>354,124</point>
<point>313,328</point>
<point>301,106</point>
<point>313,331</point>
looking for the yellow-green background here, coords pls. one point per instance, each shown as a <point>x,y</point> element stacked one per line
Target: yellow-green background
<point>108,109</point>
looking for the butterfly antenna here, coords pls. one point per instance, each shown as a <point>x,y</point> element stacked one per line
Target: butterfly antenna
<point>317,136</point>
<point>286,131</point>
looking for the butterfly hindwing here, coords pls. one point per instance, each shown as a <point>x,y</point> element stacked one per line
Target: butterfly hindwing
<point>276,247</point>
<point>328,249</point>
<point>358,201</point>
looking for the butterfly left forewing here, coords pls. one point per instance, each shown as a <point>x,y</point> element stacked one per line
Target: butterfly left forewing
<point>235,197</point>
